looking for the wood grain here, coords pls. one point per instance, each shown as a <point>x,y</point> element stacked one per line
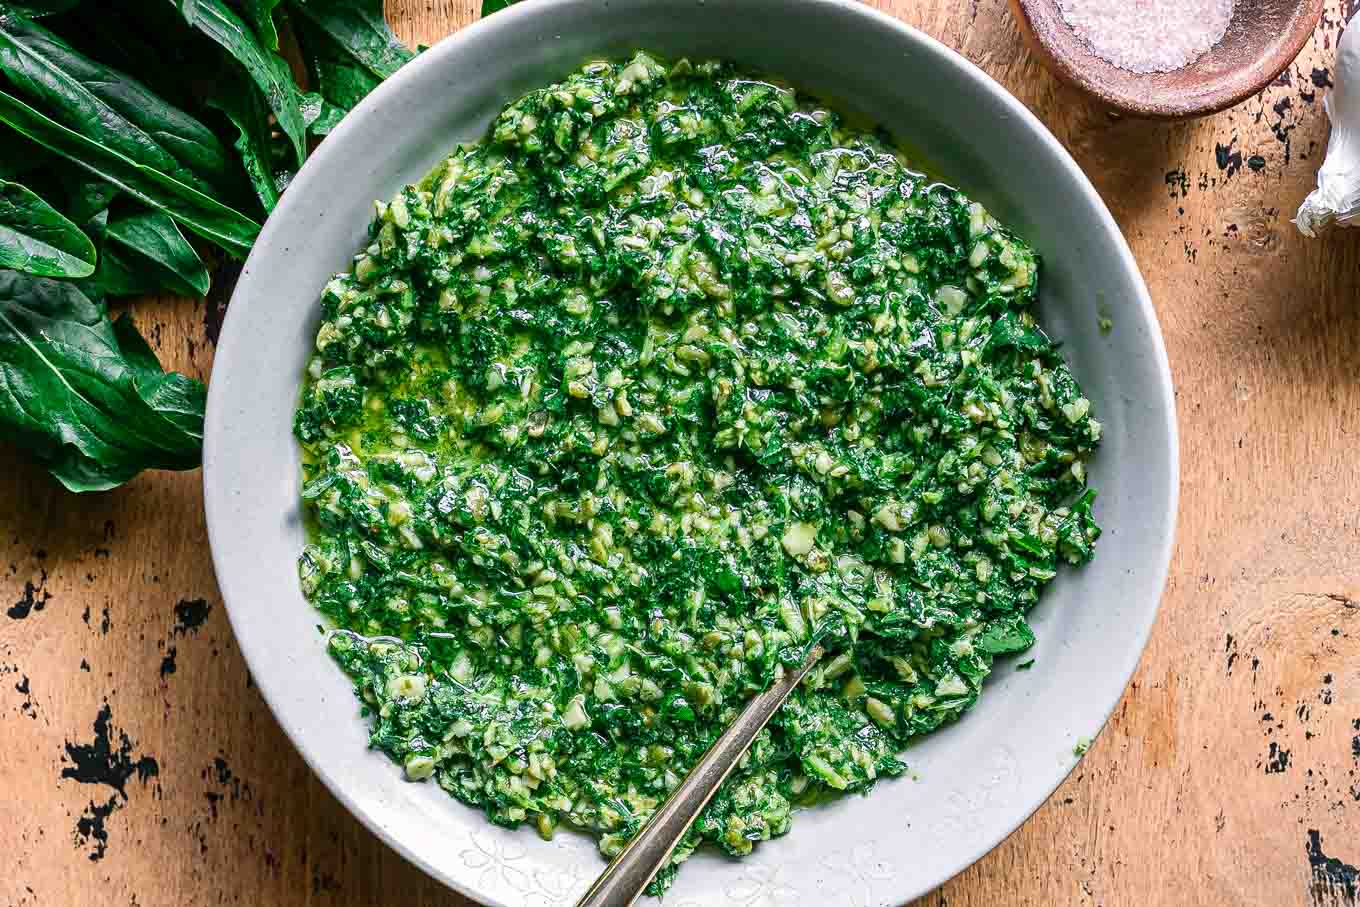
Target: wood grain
<point>1230,773</point>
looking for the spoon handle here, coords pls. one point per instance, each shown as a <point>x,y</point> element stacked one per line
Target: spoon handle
<point>633,869</point>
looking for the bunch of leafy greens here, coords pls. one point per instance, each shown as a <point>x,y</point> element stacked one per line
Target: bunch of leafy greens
<point>136,138</point>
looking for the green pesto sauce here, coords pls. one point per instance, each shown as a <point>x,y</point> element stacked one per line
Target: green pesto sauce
<point>627,405</point>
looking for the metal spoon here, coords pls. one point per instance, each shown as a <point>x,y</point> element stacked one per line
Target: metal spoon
<point>633,869</point>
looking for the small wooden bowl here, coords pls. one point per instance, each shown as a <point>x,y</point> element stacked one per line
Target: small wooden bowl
<point>1263,38</point>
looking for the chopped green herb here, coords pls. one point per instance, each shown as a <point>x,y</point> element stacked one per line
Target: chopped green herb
<point>625,405</point>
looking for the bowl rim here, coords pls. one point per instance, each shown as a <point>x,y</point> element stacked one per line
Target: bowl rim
<point>1210,99</point>
<point>217,433</point>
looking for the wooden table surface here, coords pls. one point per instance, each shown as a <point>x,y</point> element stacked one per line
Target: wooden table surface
<point>139,766</point>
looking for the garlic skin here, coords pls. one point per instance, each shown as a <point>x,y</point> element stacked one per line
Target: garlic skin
<point>1337,196</point>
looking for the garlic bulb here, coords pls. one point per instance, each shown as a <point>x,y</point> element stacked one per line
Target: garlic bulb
<point>1337,196</point>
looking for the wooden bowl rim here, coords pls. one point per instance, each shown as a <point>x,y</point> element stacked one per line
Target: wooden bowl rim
<point>1226,91</point>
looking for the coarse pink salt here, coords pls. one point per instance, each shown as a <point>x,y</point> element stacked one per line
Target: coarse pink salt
<point>1149,35</point>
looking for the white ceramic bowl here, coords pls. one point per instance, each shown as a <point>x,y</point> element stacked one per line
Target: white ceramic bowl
<point>977,780</point>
